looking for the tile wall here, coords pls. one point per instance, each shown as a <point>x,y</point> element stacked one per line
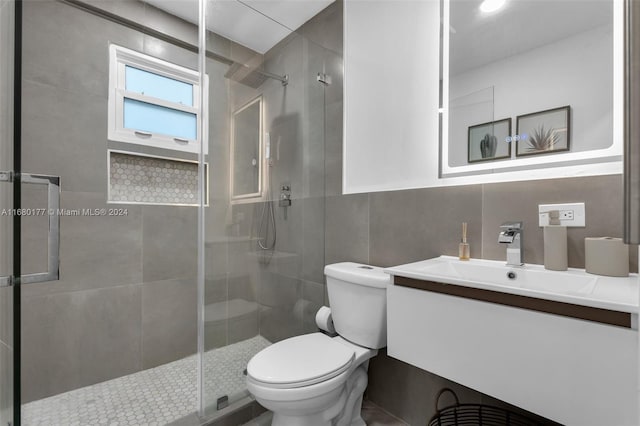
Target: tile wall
<point>288,281</point>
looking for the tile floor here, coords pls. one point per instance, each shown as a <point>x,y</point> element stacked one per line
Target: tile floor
<point>156,396</point>
<point>371,414</point>
<point>376,416</point>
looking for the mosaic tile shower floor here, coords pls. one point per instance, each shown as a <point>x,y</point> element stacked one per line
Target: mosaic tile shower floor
<point>152,397</point>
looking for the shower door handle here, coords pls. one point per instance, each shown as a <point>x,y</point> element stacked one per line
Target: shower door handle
<point>53,214</point>
<point>53,238</point>
<point>6,177</point>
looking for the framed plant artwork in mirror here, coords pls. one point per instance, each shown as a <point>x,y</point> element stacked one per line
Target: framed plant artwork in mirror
<point>489,141</point>
<point>543,132</point>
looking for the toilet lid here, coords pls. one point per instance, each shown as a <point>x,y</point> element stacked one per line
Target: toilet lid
<point>300,361</point>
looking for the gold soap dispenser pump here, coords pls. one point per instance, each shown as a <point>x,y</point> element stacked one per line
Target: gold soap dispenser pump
<point>463,247</point>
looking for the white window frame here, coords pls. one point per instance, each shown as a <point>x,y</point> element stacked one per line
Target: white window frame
<point>119,58</point>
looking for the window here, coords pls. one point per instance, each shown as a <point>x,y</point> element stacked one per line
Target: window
<point>153,102</point>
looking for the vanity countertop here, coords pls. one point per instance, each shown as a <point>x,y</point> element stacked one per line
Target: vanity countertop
<point>574,286</point>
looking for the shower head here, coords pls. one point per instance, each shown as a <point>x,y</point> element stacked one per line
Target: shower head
<point>245,75</point>
<point>252,77</point>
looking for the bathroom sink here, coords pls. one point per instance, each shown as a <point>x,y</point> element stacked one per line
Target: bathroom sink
<point>572,286</point>
<point>501,275</point>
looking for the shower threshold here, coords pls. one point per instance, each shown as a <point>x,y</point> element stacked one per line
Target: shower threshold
<point>156,396</point>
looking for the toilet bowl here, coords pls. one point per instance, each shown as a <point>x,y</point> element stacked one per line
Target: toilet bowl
<point>317,380</point>
<point>311,379</point>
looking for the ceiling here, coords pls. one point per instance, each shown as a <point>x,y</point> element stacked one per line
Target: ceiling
<point>477,39</point>
<point>256,24</point>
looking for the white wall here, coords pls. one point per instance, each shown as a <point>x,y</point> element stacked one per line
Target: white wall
<point>391,94</point>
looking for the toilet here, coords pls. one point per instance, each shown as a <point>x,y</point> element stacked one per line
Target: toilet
<point>318,380</point>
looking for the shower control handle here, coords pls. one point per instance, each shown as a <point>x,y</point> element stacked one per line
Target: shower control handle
<point>285,198</point>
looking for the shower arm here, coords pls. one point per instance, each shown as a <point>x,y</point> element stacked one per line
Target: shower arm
<point>284,79</point>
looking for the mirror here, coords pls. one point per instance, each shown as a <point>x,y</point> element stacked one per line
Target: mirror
<point>532,85</point>
<point>246,152</point>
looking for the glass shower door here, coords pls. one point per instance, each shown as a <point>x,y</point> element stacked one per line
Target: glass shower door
<point>13,182</point>
<point>7,12</point>
<point>112,339</point>
<point>264,239</point>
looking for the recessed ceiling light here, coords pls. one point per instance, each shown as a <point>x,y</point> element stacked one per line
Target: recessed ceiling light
<point>488,6</point>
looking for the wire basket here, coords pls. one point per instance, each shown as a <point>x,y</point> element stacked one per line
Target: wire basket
<point>476,415</point>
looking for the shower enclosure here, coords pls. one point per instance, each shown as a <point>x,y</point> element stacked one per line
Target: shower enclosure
<point>169,180</point>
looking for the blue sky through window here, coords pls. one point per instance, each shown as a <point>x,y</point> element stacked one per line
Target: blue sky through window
<point>158,86</point>
<point>156,119</point>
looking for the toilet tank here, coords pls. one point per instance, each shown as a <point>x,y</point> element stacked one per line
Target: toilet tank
<point>358,299</point>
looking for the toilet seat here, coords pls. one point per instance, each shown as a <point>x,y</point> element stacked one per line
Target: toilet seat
<point>300,361</point>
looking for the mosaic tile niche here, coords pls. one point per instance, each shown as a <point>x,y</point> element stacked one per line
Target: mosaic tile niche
<point>151,180</point>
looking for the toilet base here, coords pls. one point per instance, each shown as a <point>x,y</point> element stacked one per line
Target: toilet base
<point>356,419</point>
<point>345,411</point>
<point>307,420</point>
<point>298,416</point>
<point>283,420</point>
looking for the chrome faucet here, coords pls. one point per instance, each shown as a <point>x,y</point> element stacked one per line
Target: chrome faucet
<point>511,234</point>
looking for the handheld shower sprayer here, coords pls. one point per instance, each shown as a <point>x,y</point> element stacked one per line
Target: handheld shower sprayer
<point>267,224</point>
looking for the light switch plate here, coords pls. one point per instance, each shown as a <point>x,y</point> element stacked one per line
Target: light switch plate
<point>571,214</point>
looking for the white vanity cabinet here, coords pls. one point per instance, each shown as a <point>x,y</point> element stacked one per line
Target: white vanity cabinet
<point>573,371</point>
